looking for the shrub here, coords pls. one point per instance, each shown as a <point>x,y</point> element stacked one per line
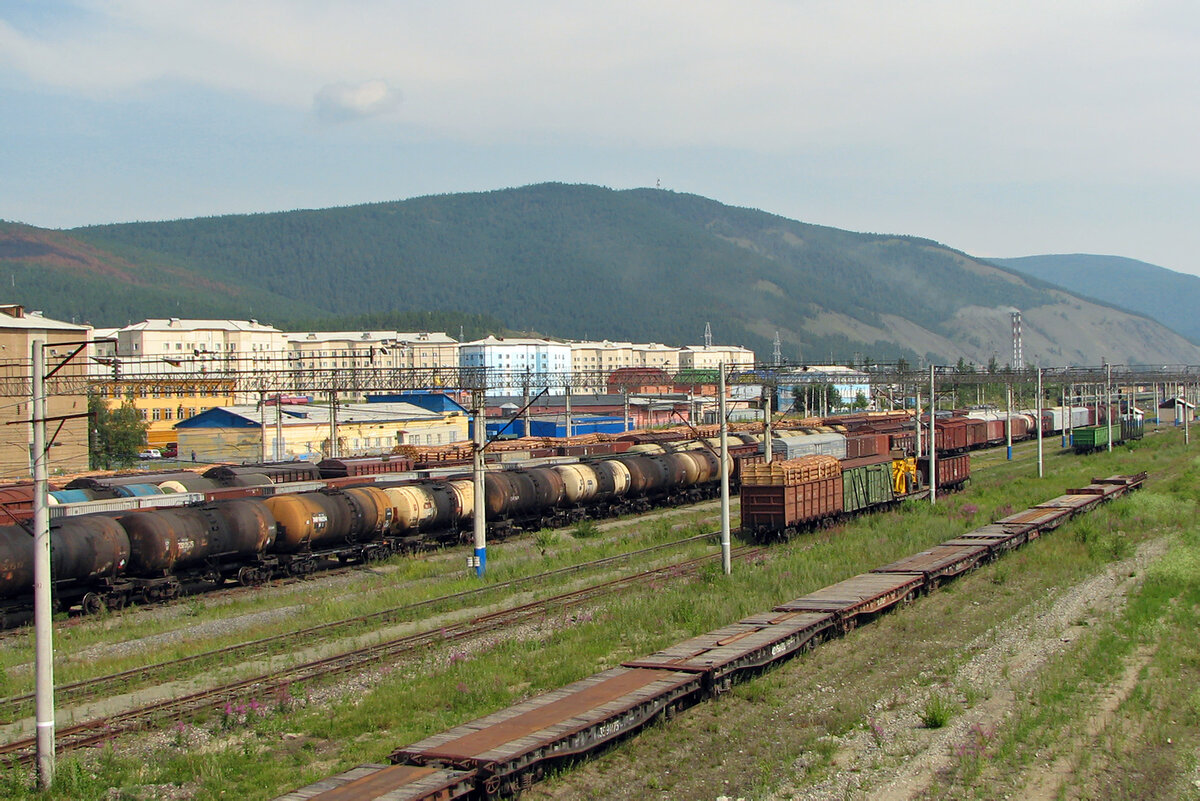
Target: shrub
<point>585,529</point>
<point>938,711</point>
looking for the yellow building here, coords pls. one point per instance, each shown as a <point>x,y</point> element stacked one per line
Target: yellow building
<point>163,402</point>
<point>68,450</point>
<point>300,431</point>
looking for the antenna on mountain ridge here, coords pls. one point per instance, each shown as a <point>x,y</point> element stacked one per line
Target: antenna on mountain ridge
<point>778,354</point>
<point>707,335</point>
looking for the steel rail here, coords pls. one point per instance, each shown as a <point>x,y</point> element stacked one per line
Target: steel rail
<point>86,689</point>
<point>104,729</point>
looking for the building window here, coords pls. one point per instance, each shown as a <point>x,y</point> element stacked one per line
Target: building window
<point>167,414</point>
<point>157,415</point>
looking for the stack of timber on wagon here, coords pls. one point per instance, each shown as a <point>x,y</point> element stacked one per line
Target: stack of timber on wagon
<point>782,496</point>
<point>791,471</point>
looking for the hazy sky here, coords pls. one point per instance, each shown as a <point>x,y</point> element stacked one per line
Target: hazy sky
<point>1000,128</point>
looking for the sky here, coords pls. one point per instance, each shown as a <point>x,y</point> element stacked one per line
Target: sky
<point>999,128</point>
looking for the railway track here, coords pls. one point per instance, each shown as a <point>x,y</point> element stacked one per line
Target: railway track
<point>14,707</point>
<point>278,682</point>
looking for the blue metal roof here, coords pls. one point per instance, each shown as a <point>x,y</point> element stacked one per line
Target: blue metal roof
<point>430,401</point>
<point>218,418</point>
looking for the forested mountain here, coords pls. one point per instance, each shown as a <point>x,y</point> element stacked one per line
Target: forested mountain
<point>113,286</point>
<point>1164,295</point>
<point>584,261</point>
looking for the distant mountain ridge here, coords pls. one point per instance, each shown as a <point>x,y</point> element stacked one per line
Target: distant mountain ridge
<point>583,261</point>
<point>1172,298</point>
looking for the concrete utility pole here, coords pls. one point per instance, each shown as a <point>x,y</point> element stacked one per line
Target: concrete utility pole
<point>567,399</point>
<point>625,397</point>
<point>1070,422</point>
<point>478,415</point>
<point>262,427</point>
<point>333,432</point>
<point>279,449</point>
<point>932,437</point>
<point>1008,418</point>
<point>43,608</point>
<point>767,424</point>
<point>917,418</point>
<point>525,402</point>
<point>1039,421</point>
<point>726,563</point>
<point>1066,423</point>
<point>1108,402</point>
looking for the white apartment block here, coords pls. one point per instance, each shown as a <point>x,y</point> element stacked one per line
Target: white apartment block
<point>532,357</point>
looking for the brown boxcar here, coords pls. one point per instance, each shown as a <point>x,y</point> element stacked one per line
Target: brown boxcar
<point>951,435</point>
<point>778,509</point>
<point>277,473</point>
<point>952,471</point>
<point>364,466</point>
<point>976,432</point>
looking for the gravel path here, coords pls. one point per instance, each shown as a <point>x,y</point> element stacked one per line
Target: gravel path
<point>900,759</point>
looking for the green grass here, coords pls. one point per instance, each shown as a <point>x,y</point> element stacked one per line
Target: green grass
<point>937,711</point>
<point>401,581</point>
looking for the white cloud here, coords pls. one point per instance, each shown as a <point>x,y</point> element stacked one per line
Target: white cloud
<point>339,102</point>
<point>940,97</point>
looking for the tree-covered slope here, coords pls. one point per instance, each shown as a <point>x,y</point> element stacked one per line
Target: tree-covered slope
<point>584,261</point>
<point>116,284</point>
<point>1164,295</point>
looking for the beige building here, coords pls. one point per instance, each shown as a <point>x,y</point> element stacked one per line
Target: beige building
<point>655,355</point>
<point>606,356</point>
<point>708,357</point>
<point>428,349</point>
<point>300,431</point>
<point>315,350</point>
<point>202,345</point>
<point>68,450</point>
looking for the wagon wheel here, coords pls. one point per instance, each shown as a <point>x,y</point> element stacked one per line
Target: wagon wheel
<point>491,786</point>
<point>92,604</point>
<point>247,576</point>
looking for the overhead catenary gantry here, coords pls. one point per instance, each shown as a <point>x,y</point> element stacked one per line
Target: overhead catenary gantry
<point>273,375</point>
